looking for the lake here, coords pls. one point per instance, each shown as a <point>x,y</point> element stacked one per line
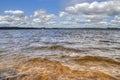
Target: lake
<point>101,47</point>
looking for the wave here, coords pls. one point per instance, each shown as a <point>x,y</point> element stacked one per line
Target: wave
<point>108,41</point>
<point>65,42</point>
<point>98,59</point>
<point>54,47</point>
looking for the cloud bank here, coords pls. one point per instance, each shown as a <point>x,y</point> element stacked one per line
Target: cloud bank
<point>82,14</point>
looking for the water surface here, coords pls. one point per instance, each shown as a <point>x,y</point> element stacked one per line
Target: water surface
<point>93,42</point>
<point>87,51</point>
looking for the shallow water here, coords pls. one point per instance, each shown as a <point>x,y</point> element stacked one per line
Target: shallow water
<point>62,45</point>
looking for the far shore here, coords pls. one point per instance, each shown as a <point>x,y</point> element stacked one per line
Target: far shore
<point>17,28</point>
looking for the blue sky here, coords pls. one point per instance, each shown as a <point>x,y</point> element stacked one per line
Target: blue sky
<point>52,6</point>
<point>65,13</point>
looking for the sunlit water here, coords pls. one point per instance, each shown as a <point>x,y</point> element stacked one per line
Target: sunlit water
<point>73,42</point>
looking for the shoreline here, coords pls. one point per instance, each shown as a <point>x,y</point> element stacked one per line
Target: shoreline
<point>22,28</point>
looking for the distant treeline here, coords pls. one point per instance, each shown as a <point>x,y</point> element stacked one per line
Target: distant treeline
<point>17,28</point>
<point>9,28</point>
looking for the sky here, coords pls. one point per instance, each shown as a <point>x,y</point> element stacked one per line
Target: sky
<point>60,13</point>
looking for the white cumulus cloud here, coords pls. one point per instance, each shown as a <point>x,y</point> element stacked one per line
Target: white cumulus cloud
<point>106,7</point>
<point>14,12</point>
<point>41,17</point>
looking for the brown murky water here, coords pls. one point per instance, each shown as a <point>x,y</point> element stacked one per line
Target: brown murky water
<point>57,54</point>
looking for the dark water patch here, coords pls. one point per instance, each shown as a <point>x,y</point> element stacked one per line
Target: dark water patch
<point>117,48</point>
<point>3,51</point>
<point>15,77</point>
<point>1,56</point>
<point>105,41</point>
<point>64,43</point>
<point>118,58</point>
<point>5,72</point>
<point>102,49</point>
<point>115,42</point>
<point>2,78</point>
<point>108,41</point>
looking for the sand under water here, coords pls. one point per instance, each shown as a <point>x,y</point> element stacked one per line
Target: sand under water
<point>59,54</point>
<point>73,68</point>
